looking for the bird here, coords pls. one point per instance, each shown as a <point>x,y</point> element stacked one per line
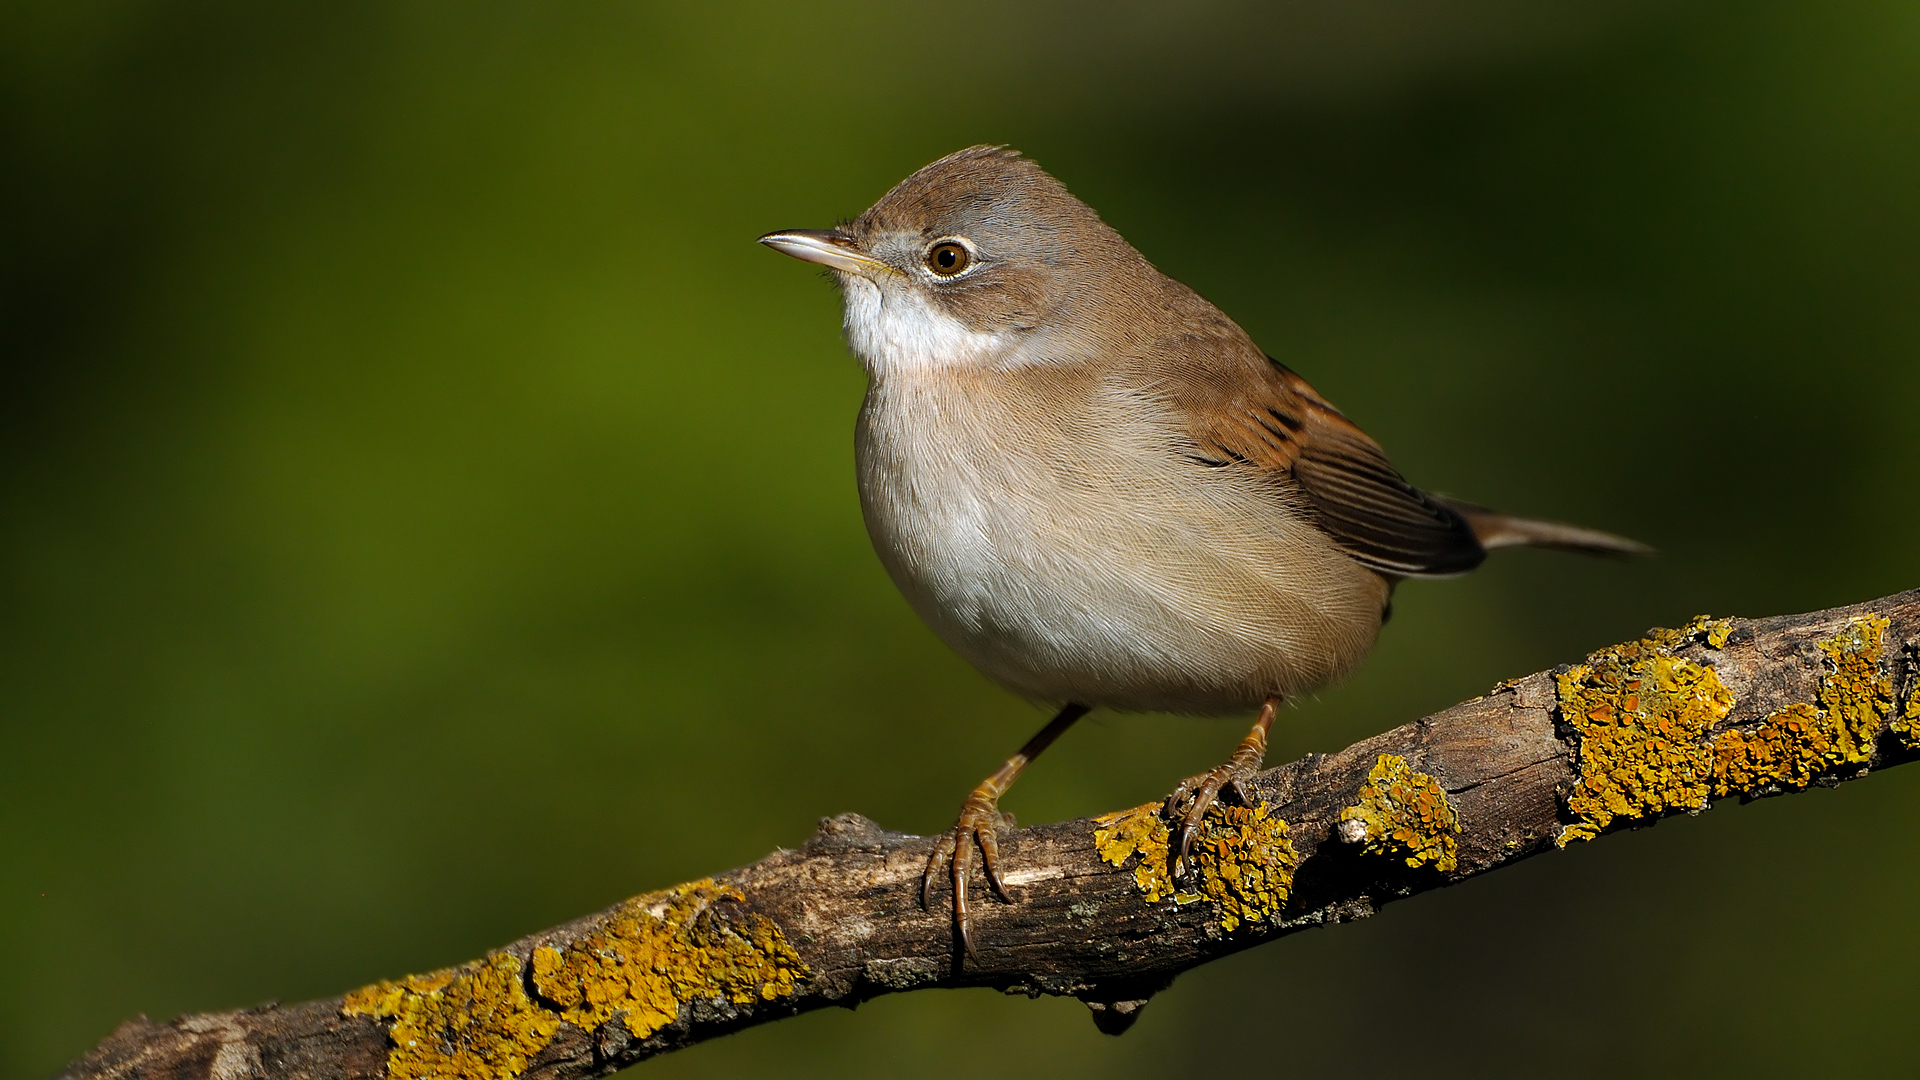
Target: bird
<point>1094,486</point>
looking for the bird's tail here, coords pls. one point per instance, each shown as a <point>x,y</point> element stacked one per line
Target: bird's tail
<point>1496,530</point>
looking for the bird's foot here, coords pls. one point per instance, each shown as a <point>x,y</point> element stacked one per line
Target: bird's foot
<point>979,825</point>
<point>1189,803</point>
<point>980,818</point>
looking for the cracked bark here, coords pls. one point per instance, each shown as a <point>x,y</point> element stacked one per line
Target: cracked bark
<point>847,901</point>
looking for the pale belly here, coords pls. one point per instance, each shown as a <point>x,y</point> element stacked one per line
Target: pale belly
<point>1069,566</point>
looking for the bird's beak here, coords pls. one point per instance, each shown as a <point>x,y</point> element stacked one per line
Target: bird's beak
<point>828,247</point>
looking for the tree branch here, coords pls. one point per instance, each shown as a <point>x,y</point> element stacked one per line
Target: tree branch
<point>1642,730</point>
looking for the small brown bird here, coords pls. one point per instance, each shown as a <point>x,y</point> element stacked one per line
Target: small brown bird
<point>1096,487</point>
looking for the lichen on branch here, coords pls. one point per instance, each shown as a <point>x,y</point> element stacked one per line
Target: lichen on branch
<point>1650,735</point>
<point>648,958</point>
<point>1242,859</point>
<point>1404,815</point>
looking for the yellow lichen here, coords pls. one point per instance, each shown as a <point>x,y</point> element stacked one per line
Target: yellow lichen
<point>1908,722</point>
<point>1407,815</point>
<point>1797,743</point>
<point>474,1022</point>
<point>663,951</point>
<point>1790,747</point>
<point>1856,693</point>
<point>1242,860</point>
<point>1714,632</point>
<point>653,955</point>
<point>1140,831</point>
<point>1643,715</point>
<point>1246,863</point>
<point>382,999</point>
<point>1646,720</point>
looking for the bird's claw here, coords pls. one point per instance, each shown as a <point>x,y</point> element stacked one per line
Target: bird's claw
<point>1199,793</point>
<point>978,825</point>
<point>1188,805</point>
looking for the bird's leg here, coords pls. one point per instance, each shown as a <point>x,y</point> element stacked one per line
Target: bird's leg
<point>1205,788</point>
<point>979,816</point>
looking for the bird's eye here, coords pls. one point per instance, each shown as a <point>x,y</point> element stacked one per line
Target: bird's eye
<point>948,258</point>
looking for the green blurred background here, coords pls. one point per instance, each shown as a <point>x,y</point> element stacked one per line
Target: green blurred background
<point>426,516</point>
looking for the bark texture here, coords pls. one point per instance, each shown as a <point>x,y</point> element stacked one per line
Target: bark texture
<point>1659,726</point>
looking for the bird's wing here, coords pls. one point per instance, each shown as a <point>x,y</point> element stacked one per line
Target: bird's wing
<point>1268,418</point>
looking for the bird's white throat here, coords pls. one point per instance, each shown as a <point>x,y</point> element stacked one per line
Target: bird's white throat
<point>896,331</point>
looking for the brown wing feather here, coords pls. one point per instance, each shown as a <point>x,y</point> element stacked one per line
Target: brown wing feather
<point>1276,422</point>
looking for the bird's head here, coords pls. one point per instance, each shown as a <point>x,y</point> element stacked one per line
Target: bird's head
<point>980,258</point>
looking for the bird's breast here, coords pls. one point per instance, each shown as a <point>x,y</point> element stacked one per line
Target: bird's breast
<point>1054,536</point>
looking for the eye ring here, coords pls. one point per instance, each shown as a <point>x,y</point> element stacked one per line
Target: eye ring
<point>949,258</point>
